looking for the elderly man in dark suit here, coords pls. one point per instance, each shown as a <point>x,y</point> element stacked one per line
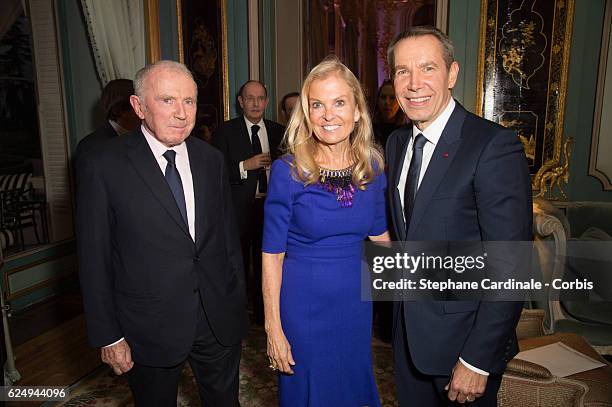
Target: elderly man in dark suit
<point>159,257</point>
<point>250,143</point>
<point>120,117</point>
<point>453,176</point>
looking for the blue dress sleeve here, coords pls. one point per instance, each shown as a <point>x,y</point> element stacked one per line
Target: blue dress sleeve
<point>277,208</point>
<point>379,186</point>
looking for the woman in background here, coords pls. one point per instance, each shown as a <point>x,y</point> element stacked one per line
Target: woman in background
<point>324,198</point>
<point>387,114</point>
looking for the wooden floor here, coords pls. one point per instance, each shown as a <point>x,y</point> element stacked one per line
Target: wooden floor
<point>59,356</point>
<point>44,316</point>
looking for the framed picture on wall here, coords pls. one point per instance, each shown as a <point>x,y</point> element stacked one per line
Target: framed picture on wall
<point>202,33</point>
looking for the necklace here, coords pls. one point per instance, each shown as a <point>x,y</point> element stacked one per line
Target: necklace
<point>339,182</point>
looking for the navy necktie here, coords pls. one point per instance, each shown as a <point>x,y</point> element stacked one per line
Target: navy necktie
<point>261,173</point>
<point>174,182</point>
<point>412,179</point>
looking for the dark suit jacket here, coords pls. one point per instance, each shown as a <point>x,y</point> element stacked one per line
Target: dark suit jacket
<point>476,188</point>
<point>232,138</point>
<point>142,275</point>
<point>94,140</point>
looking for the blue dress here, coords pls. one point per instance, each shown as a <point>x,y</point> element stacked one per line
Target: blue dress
<point>326,323</point>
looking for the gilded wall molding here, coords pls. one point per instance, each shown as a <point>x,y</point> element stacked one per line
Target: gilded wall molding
<point>224,62</point>
<point>151,17</point>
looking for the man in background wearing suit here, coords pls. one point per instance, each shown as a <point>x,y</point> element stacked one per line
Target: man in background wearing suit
<point>250,143</point>
<point>453,176</point>
<point>120,117</point>
<point>159,258</point>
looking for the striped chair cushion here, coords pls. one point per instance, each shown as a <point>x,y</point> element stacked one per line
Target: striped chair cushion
<point>15,182</point>
<point>7,239</point>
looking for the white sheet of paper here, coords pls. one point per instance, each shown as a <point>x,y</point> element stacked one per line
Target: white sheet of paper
<point>560,359</point>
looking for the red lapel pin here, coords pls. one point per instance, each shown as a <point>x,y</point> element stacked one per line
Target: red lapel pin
<point>444,155</point>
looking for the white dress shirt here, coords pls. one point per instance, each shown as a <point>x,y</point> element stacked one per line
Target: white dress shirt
<point>432,133</point>
<point>265,148</point>
<point>182,165</point>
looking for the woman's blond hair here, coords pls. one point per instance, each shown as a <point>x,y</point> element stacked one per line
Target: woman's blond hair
<point>302,144</point>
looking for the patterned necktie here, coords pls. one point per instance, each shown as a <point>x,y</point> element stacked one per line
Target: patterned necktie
<point>412,179</point>
<point>261,173</point>
<point>174,182</point>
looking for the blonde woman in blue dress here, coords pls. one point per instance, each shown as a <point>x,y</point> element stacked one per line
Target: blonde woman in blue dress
<point>324,198</point>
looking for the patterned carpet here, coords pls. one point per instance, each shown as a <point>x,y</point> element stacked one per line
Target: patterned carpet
<point>258,386</point>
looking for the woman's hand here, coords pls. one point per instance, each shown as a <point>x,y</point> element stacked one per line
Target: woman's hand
<point>279,350</point>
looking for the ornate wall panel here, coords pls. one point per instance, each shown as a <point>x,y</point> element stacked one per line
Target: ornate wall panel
<point>523,70</point>
<point>203,48</point>
<point>600,164</point>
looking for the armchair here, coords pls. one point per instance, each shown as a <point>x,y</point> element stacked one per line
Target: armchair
<point>528,384</point>
<point>19,210</point>
<point>591,319</point>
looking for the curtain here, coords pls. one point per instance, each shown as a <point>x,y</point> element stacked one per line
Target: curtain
<point>352,38</point>
<point>369,70</point>
<point>116,33</point>
<point>318,37</point>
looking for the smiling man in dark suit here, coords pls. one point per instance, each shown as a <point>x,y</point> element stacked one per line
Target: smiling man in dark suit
<point>453,176</point>
<point>250,143</point>
<point>159,258</point>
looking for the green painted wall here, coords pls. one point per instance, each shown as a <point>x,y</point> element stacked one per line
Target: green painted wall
<point>81,84</point>
<point>168,30</point>
<point>237,49</point>
<point>464,31</point>
<point>55,262</point>
<point>581,92</point>
<point>464,25</point>
<point>268,55</point>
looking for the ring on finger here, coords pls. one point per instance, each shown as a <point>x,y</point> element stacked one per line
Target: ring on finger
<point>272,364</point>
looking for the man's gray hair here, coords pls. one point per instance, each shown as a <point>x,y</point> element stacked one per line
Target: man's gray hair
<point>142,74</point>
<point>448,50</point>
